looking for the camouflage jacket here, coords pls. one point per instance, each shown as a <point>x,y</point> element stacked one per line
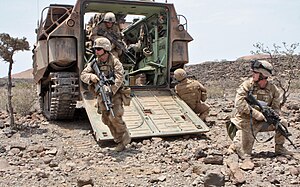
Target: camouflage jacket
<point>112,65</point>
<point>114,30</point>
<point>190,91</point>
<point>269,95</point>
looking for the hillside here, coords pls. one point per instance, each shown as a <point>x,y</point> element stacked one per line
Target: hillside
<point>227,75</point>
<point>27,74</point>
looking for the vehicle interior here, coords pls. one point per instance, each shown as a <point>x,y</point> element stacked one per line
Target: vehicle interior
<point>144,37</point>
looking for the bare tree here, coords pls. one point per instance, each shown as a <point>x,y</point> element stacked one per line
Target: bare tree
<point>8,47</point>
<point>285,63</point>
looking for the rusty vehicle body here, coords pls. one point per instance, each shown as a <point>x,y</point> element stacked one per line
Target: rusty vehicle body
<point>63,49</point>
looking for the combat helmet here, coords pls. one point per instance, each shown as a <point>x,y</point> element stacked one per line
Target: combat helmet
<point>103,43</point>
<point>263,67</point>
<point>180,74</point>
<point>109,17</point>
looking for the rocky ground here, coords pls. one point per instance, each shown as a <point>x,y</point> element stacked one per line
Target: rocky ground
<point>43,153</point>
<point>46,153</point>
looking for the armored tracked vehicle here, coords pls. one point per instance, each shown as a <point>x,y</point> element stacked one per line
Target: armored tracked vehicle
<point>156,38</point>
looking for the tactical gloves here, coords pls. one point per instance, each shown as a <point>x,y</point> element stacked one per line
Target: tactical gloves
<point>94,78</point>
<point>258,115</point>
<point>108,90</point>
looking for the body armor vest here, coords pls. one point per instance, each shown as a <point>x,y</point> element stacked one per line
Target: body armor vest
<point>106,68</point>
<point>262,95</point>
<point>189,92</point>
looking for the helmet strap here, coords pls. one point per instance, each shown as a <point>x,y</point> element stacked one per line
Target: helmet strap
<point>261,77</point>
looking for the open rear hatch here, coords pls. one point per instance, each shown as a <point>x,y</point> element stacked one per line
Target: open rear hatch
<point>151,113</point>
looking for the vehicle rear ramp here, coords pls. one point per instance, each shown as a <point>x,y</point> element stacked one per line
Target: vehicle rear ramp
<point>150,114</point>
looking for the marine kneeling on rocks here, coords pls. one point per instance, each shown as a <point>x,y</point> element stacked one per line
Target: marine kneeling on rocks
<point>192,92</point>
<point>249,120</point>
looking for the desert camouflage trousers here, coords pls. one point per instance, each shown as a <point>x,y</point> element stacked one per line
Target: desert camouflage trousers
<point>202,110</point>
<point>244,139</point>
<point>115,124</point>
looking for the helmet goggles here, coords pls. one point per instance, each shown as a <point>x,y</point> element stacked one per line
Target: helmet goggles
<point>255,64</point>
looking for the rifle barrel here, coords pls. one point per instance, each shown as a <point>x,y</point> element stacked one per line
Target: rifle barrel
<point>99,88</point>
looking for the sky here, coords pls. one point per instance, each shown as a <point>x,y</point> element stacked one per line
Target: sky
<point>221,29</point>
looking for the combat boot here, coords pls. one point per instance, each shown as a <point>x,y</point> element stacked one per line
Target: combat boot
<point>281,150</point>
<point>120,147</point>
<point>238,150</point>
<point>231,149</point>
<point>126,139</point>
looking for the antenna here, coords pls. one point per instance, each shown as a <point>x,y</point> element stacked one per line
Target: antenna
<point>37,8</point>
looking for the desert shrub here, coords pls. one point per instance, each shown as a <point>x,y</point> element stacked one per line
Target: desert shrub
<point>24,97</point>
<point>295,85</point>
<point>3,100</point>
<point>221,88</point>
<point>215,91</point>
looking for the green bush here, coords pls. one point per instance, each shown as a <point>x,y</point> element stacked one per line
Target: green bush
<point>295,85</point>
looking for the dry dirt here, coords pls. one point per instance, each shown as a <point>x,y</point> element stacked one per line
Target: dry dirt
<point>44,153</point>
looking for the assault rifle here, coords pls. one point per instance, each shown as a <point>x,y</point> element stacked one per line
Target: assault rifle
<point>113,39</point>
<point>106,95</point>
<point>271,116</point>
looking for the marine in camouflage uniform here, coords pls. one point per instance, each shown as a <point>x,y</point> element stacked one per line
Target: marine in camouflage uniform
<point>192,92</point>
<point>108,63</point>
<point>108,25</point>
<point>264,91</point>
